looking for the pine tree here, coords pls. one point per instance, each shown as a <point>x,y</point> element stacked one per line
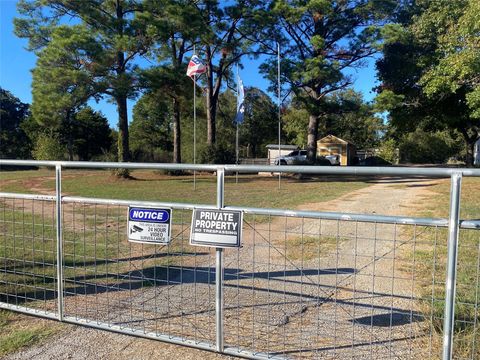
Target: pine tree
<point>112,30</point>
<point>320,40</point>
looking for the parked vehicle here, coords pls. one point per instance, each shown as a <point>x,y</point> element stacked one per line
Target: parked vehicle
<point>299,157</point>
<point>334,159</point>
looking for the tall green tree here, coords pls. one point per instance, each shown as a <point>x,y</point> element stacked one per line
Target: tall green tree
<point>173,26</point>
<point>229,34</point>
<point>320,40</point>
<point>348,116</point>
<point>352,119</point>
<point>456,67</point>
<point>113,29</point>
<point>62,80</point>
<point>429,70</point>
<point>260,121</point>
<point>90,132</point>
<point>260,118</point>
<point>295,124</point>
<point>14,143</point>
<point>151,130</point>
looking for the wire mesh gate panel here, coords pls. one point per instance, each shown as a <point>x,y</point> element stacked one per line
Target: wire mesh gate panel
<point>28,248</point>
<point>467,308</point>
<point>313,288</point>
<point>304,285</point>
<point>145,288</point>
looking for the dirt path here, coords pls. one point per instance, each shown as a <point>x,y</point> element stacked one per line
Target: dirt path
<point>356,299</point>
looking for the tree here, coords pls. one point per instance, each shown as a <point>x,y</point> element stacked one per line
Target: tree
<point>260,119</point>
<point>14,143</point>
<point>115,33</point>
<point>49,147</point>
<point>319,41</point>
<point>173,26</point>
<point>84,136</point>
<point>61,81</point>
<point>457,64</point>
<point>352,119</point>
<point>151,128</point>
<point>295,124</point>
<point>229,34</point>
<point>346,116</point>
<point>429,70</point>
<point>90,132</point>
<point>420,147</point>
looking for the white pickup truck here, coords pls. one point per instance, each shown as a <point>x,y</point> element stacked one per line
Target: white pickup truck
<point>334,159</point>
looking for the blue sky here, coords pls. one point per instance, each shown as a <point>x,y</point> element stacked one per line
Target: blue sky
<point>16,63</point>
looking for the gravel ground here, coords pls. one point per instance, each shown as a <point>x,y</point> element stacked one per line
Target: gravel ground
<point>354,298</point>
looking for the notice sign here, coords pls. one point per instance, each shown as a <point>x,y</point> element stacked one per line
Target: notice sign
<point>149,225</point>
<point>217,228</point>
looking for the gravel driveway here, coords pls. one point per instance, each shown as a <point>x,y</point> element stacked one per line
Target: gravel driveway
<point>347,294</point>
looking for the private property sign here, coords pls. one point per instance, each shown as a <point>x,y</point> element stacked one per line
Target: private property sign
<point>217,228</point>
<point>149,225</point>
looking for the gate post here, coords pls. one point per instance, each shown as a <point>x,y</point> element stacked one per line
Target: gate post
<point>219,269</point>
<point>58,217</point>
<point>452,252</point>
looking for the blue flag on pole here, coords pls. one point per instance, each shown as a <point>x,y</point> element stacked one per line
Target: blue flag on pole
<point>240,105</point>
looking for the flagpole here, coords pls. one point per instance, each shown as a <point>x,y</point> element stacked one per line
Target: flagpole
<point>194,125</point>
<point>279,112</point>
<point>236,138</point>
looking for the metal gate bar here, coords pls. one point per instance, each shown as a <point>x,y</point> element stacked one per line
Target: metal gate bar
<point>258,277</point>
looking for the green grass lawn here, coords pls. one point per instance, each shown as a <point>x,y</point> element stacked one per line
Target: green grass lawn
<point>252,190</point>
<point>18,331</point>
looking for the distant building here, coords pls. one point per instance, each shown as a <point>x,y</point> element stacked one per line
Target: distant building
<point>332,145</point>
<point>284,150</point>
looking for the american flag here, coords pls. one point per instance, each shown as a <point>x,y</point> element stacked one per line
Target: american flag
<point>196,66</point>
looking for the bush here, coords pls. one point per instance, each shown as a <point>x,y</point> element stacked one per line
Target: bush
<point>154,155</point>
<point>106,156</point>
<point>376,161</point>
<point>387,152</point>
<point>121,173</point>
<point>48,147</point>
<point>422,147</point>
<point>217,154</point>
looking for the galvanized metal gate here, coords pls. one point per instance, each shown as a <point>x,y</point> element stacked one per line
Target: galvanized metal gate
<point>304,284</point>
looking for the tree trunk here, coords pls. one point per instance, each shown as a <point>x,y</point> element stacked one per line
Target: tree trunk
<point>70,143</point>
<point>469,146</point>
<point>211,104</point>
<point>211,115</point>
<point>312,138</point>
<point>177,158</point>
<point>470,151</point>
<point>70,147</point>
<point>121,99</point>
<point>123,148</point>
<point>70,138</point>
